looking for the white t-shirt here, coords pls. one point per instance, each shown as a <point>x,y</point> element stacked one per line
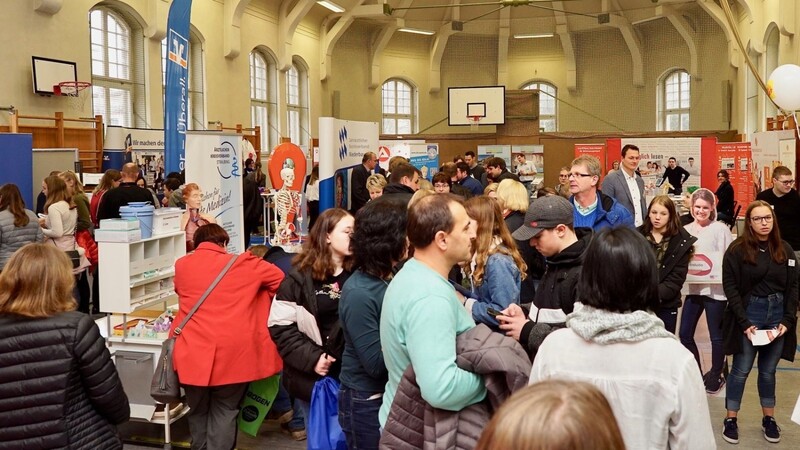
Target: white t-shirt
<point>526,167</point>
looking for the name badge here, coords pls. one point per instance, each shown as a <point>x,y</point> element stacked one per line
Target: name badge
<point>791,263</point>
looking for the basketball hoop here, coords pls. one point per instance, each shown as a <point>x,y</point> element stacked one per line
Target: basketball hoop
<point>75,91</point>
<point>474,122</point>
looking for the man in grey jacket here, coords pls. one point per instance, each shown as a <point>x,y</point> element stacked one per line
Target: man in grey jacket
<point>626,186</point>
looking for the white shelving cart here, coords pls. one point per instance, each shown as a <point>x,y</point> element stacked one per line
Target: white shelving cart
<point>137,277</point>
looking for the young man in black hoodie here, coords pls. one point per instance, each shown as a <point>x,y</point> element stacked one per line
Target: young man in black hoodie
<point>548,227</point>
<point>403,181</point>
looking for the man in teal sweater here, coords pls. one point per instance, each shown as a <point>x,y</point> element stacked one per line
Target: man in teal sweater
<point>422,315</point>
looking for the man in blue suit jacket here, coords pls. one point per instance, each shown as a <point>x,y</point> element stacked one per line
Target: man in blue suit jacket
<point>626,186</point>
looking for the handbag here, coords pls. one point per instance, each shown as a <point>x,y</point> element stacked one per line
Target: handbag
<point>165,387</point>
<point>75,257</point>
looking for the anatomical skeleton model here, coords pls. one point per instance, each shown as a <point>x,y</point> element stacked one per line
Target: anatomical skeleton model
<point>287,205</point>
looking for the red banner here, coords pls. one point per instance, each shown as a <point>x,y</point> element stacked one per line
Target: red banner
<point>737,159</point>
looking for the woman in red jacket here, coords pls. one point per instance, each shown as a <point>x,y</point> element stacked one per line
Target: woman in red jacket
<point>226,344</point>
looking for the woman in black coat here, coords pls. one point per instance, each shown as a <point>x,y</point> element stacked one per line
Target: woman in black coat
<point>724,196</point>
<point>673,247</point>
<point>759,275</point>
<point>60,388</point>
<point>304,319</point>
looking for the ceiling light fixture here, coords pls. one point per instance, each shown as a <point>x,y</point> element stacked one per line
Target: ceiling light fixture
<point>416,31</point>
<point>533,36</point>
<point>331,5</point>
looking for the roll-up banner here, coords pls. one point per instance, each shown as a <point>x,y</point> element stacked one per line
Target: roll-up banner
<point>342,145</point>
<point>214,164</point>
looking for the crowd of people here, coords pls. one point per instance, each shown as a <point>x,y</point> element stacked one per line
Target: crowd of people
<point>444,314</point>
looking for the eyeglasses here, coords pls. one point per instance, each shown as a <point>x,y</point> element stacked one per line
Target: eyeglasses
<point>579,175</point>
<point>762,219</point>
<point>786,182</point>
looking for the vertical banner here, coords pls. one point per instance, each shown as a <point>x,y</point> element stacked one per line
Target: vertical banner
<point>213,163</point>
<point>596,150</point>
<point>176,91</point>
<point>16,151</point>
<point>736,158</point>
<point>342,145</point>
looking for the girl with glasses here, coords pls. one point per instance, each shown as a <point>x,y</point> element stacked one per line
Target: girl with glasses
<point>760,280</point>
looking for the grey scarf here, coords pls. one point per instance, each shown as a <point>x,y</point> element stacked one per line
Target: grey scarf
<point>606,327</point>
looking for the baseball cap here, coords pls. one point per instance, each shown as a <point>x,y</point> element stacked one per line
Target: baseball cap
<point>543,214</point>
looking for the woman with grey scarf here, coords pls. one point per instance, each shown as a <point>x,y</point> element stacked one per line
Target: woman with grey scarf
<point>616,342</point>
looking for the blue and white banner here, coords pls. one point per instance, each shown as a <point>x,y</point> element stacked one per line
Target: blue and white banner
<point>342,144</point>
<point>176,91</point>
<point>215,166</point>
<point>425,157</point>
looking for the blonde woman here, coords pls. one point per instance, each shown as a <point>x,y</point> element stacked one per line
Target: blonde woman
<point>497,269</point>
<point>375,184</point>
<point>56,367</point>
<point>554,414</point>
<point>514,200</point>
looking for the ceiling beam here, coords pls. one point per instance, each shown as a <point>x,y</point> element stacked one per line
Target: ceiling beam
<point>231,31</point>
<point>503,35</point>
<point>287,25</point>
<point>437,48</point>
<point>329,37</point>
<point>562,29</point>
<point>685,31</point>
<point>158,11</point>
<point>384,36</point>
<point>716,13</point>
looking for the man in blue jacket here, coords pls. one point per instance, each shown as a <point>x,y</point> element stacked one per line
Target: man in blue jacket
<point>593,209</point>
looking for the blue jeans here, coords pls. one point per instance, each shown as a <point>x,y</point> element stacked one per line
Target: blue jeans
<point>670,318</point>
<point>764,313</point>
<point>358,416</point>
<point>283,402</point>
<point>692,310</point>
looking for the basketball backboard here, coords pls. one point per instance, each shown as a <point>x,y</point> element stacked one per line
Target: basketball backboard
<point>487,102</point>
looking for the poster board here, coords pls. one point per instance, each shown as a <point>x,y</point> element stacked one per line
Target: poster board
<point>499,151</point>
<point>213,161</point>
<point>533,153</point>
<point>425,157</point>
<point>16,152</point>
<point>736,158</point>
<point>771,149</point>
<point>46,160</point>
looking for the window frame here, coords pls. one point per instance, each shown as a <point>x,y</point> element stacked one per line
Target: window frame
<point>122,47</point>
<point>545,116</point>
<point>684,105</point>
<point>392,115</point>
<point>297,103</point>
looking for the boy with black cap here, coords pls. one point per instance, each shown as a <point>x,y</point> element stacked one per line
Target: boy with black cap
<point>548,227</point>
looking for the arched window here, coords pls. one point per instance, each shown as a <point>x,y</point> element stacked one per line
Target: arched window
<point>196,103</point>
<point>117,68</point>
<point>399,107</point>
<point>548,106</point>
<point>263,104</point>
<point>297,104</point>
<point>674,101</point>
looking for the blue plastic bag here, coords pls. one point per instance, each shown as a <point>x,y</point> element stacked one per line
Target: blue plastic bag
<point>324,431</point>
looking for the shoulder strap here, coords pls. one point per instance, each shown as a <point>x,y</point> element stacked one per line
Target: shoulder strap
<point>203,297</point>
